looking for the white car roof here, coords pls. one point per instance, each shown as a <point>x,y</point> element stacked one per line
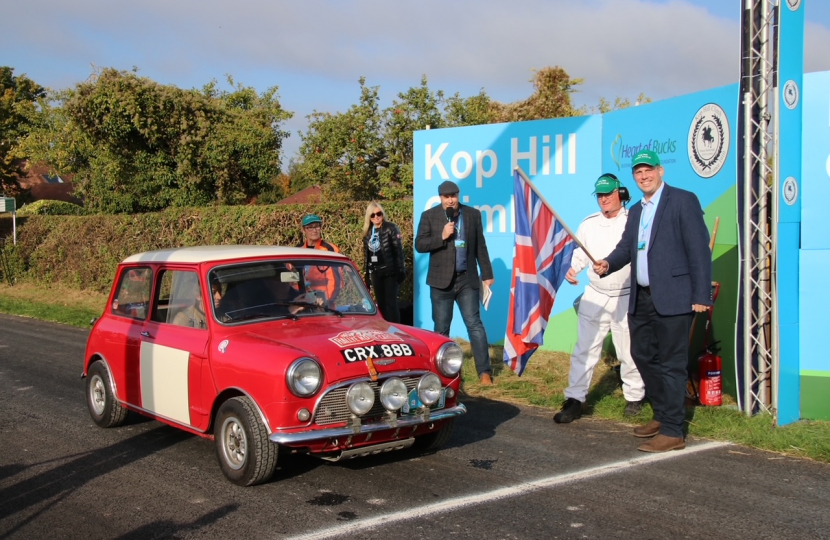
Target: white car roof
<point>200,254</point>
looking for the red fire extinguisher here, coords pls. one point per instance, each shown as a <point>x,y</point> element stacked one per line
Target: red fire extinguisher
<point>710,391</point>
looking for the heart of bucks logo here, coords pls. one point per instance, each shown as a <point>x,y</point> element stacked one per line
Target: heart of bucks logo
<point>616,150</point>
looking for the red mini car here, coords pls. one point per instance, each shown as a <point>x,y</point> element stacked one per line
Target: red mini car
<point>262,347</point>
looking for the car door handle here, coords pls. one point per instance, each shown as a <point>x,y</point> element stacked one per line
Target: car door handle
<point>145,333</point>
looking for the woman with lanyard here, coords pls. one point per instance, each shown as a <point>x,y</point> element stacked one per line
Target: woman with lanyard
<point>383,260</point>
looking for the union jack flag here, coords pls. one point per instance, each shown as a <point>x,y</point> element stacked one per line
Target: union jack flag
<point>542,258</point>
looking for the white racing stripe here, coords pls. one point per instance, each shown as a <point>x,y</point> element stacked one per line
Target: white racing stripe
<point>502,493</point>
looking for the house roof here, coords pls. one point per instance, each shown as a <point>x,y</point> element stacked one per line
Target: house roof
<point>312,194</point>
<point>43,184</point>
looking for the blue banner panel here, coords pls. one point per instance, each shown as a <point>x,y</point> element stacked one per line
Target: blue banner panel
<point>789,108</point>
<point>815,164</point>
<point>695,136</point>
<point>561,157</point>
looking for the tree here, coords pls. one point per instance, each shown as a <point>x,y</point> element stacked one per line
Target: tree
<point>18,100</point>
<point>366,153</point>
<point>471,111</point>
<point>416,109</point>
<point>605,106</point>
<point>135,145</point>
<point>344,152</point>
<point>551,98</point>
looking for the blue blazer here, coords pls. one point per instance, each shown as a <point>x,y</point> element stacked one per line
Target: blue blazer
<point>679,259</point>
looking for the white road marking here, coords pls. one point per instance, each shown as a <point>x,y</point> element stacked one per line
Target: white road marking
<point>501,493</point>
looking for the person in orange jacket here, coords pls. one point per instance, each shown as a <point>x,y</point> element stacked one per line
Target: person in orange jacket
<point>322,279</point>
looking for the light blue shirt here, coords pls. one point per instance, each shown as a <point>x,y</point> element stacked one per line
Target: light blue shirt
<point>644,234</point>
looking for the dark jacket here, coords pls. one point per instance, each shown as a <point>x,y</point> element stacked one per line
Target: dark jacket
<point>679,259</point>
<point>390,257</point>
<point>442,252</point>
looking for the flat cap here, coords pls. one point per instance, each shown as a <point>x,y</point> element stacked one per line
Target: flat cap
<point>447,188</point>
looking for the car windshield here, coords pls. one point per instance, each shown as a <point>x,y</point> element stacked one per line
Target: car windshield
<point>287,289</point>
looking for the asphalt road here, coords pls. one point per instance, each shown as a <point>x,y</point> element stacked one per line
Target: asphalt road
<point>508,472</point>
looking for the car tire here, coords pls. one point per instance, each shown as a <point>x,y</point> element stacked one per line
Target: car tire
<point>103,407</point>
<point>245,454</point>
<point>435,440</point>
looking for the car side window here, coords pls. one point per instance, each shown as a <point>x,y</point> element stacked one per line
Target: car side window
<point>133,295</point>
<point>180,300</point>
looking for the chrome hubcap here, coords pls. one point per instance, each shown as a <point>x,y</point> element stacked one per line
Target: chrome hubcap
<point>234,443</point>
<point>97,395</point>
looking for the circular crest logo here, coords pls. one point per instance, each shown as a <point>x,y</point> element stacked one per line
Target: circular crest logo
<point>793,4</point>
<point>708,140</point>
<point>790,94</point>
<point>790,191</point>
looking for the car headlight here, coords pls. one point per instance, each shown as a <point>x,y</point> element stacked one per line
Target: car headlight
<point>360,398</point>
<point>393,394</point>
<point>304,377</point>
<point>449,358</point>
<point>429,389</point>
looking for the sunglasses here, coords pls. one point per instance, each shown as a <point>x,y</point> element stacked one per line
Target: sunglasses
<point>376,214</point>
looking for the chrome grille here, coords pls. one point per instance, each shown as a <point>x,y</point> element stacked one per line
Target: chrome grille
<point>332,408</point>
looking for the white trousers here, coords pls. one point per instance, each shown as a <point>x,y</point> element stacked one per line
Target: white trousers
<point>599,314</point>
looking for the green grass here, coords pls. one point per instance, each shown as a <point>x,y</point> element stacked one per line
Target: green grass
<point>542,384</point>
<point>55,304</point>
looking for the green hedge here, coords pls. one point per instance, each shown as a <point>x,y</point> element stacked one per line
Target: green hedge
<point>83,251</point>
<point>47,207</point>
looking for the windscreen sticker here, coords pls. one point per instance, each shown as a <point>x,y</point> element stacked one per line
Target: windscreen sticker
<point>360,354</point>
<point>356,337</point>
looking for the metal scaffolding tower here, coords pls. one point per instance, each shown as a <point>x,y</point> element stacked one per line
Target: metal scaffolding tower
<point>758,209</point>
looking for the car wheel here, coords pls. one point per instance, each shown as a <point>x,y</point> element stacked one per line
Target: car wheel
<point>436,439</point>
<point>103,407</point>
<point>246,456</point>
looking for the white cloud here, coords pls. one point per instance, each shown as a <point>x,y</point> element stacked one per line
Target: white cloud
<point>315,50</point>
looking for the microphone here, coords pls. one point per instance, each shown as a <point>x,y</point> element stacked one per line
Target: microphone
<point>450,211</point>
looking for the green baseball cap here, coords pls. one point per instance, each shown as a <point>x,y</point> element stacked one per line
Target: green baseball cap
<point>311,218</point>
<point>646,157</point>
<point>606,184</point>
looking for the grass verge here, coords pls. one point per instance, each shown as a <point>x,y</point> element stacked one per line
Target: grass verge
<point>542,384</point>
<point>546,377</point>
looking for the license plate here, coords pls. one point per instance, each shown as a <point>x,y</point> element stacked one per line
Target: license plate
<point>413,402</point>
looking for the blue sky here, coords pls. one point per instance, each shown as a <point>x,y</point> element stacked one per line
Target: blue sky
<point>316,50</point>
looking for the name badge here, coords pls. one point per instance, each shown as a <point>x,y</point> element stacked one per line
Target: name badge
<point>641,246</point>
<point>374,258</point>
<point>460,243</point>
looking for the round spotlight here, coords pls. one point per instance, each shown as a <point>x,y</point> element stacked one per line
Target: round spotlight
<point>429,389</point>
<point>303,415</point>
<point>359,398</point>
<point>393,394</point>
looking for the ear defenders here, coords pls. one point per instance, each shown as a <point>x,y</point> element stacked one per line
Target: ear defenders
<point>625,196</point>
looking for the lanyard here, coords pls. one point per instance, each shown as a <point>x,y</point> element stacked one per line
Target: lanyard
<point>645,226</point>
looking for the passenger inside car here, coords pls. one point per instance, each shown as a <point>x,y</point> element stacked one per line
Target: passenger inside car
<point>186,291</point>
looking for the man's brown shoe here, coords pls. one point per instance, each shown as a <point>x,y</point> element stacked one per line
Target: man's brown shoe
<point>485,379</point>
<point>663,443</point>
<point>649,430</point>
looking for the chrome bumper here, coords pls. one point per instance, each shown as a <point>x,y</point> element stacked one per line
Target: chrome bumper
<point>408,421</point>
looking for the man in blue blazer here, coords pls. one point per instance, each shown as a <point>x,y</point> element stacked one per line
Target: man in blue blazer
<point>667,244</point>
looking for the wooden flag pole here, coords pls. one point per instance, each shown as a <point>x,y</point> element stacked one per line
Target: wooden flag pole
<point>552,211</point>
<point>714,235</point>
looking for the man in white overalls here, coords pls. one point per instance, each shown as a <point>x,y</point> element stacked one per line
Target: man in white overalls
<point>604,305</point>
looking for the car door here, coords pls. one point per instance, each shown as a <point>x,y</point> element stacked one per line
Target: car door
<point>173,348</point>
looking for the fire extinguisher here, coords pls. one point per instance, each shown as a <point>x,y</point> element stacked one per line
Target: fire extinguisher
<point>709,370</point>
